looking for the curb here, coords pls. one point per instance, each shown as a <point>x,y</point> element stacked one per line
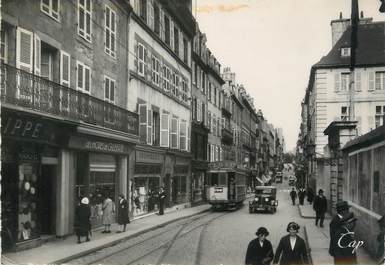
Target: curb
<point>304,216</point>
<point>308,246</point>
<point>117,241</point>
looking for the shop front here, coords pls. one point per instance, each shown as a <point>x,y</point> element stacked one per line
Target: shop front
<point>98,171</point>
<point>180,181</point>
<point>29,174</point>
<point>145,184</point>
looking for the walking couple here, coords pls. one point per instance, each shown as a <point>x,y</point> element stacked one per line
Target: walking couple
<point>291,248</point>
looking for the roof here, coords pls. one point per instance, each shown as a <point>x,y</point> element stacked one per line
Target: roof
<point>370,47</point>
<point>366,140</point>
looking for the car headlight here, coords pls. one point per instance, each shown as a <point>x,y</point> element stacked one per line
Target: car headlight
<point>267,199</point>
<point>256,199</point>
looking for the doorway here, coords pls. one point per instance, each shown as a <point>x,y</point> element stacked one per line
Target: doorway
<point>47,199</point>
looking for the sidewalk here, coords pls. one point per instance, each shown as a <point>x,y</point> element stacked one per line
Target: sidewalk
<point>318,239</point>
<point>61,250</point>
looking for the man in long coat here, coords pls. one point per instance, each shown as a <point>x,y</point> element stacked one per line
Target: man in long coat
<point>291,248</point>
<point>162,197</point>
<point>293,195</point>
<point>259,250</point>
<point>320,206</point>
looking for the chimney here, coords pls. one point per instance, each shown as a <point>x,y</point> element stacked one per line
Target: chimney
<point>338,28</point>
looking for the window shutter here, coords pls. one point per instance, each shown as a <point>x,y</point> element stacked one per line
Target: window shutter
<point>357,81</point>
<point>162,27</point>
<point>371,81</point>
<point>188,143</point>
<point>136,47</point>
<point>37,55</point>
<point>337,82</point>
<point>171,34</point>
<point>181,50</point>
<point>174,132</point>
<point>136,6</point>
<point>24,49</point>
<point>359,125</point>
<point>182,135</point>
<point>143,122</point>
<point>151,16</point>
<point>149,126</point>
<point>65,60</point>
<point>164,130</point>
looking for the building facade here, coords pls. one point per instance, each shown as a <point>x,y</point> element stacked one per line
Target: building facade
<point>65,127</point>
<point>160,79</point>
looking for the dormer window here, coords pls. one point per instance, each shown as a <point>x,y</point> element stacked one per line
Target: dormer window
<point>345,52</point>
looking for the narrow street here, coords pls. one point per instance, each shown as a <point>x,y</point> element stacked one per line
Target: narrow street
<point>208,238</point>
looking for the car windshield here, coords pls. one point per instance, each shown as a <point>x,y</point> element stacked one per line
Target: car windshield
<point>265,191</point>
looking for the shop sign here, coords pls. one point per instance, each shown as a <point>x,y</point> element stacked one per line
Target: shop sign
<point>147,169</point>
<point>148,157</point>
<point>97,145</point>
<point>25,127</point>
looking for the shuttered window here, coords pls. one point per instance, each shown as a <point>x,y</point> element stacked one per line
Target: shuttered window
<point>143,122</point>
<point>371,81</point>
<point>149,126</point>
<point>174,133</point>
<point>141,59</point>
<point>183,136</point>
<point>51,8</point>
<point>357,81</point>
<point>24,61</point>
<point>109,89</point>
<point>164,130</point>
<point>83,77</point>
<point>65,60</point>
<point>110,31</point>
<point>84,19</point>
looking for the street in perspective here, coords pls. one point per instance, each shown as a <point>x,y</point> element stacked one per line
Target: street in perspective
<point>192,132</point>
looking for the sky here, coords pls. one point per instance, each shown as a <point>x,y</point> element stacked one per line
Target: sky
<point>271,46</point>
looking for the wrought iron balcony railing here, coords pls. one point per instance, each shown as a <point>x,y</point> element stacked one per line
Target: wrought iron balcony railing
<point>29,91</point>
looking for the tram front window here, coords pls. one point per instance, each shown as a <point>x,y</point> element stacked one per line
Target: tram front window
<point>214,179</point>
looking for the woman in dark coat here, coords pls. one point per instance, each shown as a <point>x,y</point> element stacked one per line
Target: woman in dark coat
<point>122,213</point>
<point>82,220</point>
<point>291,249</point>
<point>260,250</point>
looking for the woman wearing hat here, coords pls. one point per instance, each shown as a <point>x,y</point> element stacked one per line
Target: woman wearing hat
<point>82,220</point>
<point>260,250</point>
<point>291,248</point>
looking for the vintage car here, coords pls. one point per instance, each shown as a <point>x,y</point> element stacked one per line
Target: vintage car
<point>292,180</point>
<point>264,200</point>
<point>278,177</point>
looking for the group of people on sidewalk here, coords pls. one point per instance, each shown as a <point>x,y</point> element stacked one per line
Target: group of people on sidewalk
<point>291,248</point>
<point>82,222</point>
<point>301,193</point>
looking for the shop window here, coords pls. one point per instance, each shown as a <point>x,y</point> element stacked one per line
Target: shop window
<point>144,195</point>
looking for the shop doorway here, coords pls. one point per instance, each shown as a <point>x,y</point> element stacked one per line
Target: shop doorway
<point>47,199</point>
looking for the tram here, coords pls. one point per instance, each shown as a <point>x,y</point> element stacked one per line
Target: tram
<point>227,188</point>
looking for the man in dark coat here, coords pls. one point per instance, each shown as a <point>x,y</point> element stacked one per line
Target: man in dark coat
<point>291,248</point>
<point>123,218</point>
<point>344,252</point>
<point>301,196</point>
<point>293,195</point>
<point>82,220</point>
<point>320,207</point>
<point>162,197</point>
<point>259,250</point>
<point>342,208</point>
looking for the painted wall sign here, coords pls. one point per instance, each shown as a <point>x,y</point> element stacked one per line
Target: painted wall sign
<point>84,143</point>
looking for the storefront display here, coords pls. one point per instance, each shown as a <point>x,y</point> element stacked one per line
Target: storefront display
<point>144,194</point>
<point>197,186</point>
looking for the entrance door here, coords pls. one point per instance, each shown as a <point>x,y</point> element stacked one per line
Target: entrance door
<point>47,199</point>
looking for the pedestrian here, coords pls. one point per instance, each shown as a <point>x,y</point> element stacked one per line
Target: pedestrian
<point>82,220</point>
<point>301,195</point>
<point>342,208</point>
<point>108,214</point>
<point>320,207</point>
<point>293,195</point>
<point>344,250</point>
<point>123,218</point>
<point>291,248</point>
<point>162,197</point>
<point>259,250</point>
<point>310,195</point>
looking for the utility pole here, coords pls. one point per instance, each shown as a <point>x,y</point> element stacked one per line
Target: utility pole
<point>353,46</point>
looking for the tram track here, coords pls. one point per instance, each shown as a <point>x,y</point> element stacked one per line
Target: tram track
<point>157,242</point>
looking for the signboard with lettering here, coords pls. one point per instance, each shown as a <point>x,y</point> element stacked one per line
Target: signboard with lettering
<point>90,144</point>
<point>148,157</point>
<point>25,126</point>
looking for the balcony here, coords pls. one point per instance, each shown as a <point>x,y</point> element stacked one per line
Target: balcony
<point>20,89</point>
<point>227,136</point>
<point>226,109</point>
